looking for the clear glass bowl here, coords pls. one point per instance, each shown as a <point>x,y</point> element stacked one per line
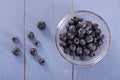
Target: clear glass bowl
<point>95,18</point>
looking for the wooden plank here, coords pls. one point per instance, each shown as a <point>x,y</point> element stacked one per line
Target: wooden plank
<point>11,24</point>
<point>56,68</point>
<point>108,68</point>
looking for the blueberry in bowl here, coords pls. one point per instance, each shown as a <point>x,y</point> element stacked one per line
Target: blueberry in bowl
<point>82,38</point>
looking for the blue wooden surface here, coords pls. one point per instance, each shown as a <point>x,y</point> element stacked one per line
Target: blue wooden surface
<point>56,68</point>
<point>11,24</point>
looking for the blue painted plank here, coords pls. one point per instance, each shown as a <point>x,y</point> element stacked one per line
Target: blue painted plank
<point>11,24</point>
<point>108,68</point>
<point>56,68</point>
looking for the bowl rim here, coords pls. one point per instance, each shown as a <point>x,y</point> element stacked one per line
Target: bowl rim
<point>99,57</point>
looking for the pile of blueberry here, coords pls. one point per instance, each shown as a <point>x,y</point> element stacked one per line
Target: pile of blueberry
<point>81,38</point>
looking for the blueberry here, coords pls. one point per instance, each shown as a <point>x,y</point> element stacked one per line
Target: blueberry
<point>63,36</point>
<point>70,22</point>
<point>92,54</point>
<point>42,61</point>
<point>95,40</point>
<point>89,23</point>
<point>81,31</point>
<point>80,19</point>
<point>83,56</point>
<point>101,37</point>
<point>72,47</point>
<point>62,44</point>
<point>82,24</point>
<point>98,31</point>
<point>92,34</point>
<point>70,35</point>
<point>41,25</point>
<point>69,42</point>
<point>88,30</point>
<point>89,38</point>
<point>80,35</point>
<point>100,43</point>
<point>86,51</point>
<point>76,40</point>
<point>72,29</point>
<point>91,47</point>
<point>95,26</point>
<point>75,20</point>
<point>72,53</point>
<point>67,50</point>
<point>79,50</point>
<point>82,42</point>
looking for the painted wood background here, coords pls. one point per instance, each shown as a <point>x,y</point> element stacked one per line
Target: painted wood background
<point>19,17</point>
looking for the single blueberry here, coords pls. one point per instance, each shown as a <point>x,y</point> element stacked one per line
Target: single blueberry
<point>89,38</point>
<point>88,30</point>
<point>95,26</point>
<point>82,24</point>
<point>70,35</point>
<point>72,29</point>
<point>79,50</point>
<point>63,36</point>
<point>83,56</point>
<point>98,31</point>
<point>62,44</point>
<point>72,47</point>
<point>86,51</point>
<point>92,54</point>
<point>76,40</point>
<point>67,50</point>
<point>82,42</point>
<point>92,47</point>
<point>81,31</point>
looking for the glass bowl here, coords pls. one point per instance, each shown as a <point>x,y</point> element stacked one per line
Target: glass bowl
<point>95,18</point>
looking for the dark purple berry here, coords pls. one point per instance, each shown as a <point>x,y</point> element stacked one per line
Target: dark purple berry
<point>88,30</point>
<point>81,31</point>
<point>92,54</point>
<point>63,36</point>
<point>41,25</point>
<point>89,23</point>
<point>82,24</point>
<point>98,31</point>
<point>80,35</point>
<point>86,51</point>
<point>62,44</point>
<point>72,47</point>
<point>89,38</point>
<point>79,50</point>
<point>70,23</point>
<point>76,41</point>
<point>92,47</point>
<point>82,42</point>
<point>95,26</point>
<point>83,56</point>
<point>70,35</point>
<point>67,50</point>
<point>72,29</point>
